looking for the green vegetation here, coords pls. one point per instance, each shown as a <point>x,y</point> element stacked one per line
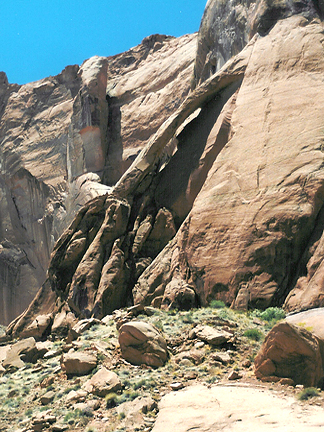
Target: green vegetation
<point>272,315</point>
<point>249,330</point>
<point>217,304</point>
<point>308,393</point>
<point>111,400</point>
<point>253,334</point>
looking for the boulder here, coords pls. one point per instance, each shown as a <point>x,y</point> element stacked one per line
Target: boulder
<point>76,396</point>
<point>82,326</point>
<point>78,363</point>
<point>23,351</point>
<point>64,321</point>
<point>212,335</point>
<point>222,357</point>
<point>196,356</point>
<point>103,382</point>
<point>137,412</point>
<point>47,397</point>
<point>38,327</point>
<point>289,351</point>
<point>141,343</point>
<point>179,295</point>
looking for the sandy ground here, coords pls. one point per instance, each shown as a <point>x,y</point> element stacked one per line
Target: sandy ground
<point>236,408</point>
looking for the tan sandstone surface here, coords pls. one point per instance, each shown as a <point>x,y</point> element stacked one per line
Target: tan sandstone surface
<point>244,237</point>
<point>235,408</point>
<point>62,141</point>
<point>236,169</point>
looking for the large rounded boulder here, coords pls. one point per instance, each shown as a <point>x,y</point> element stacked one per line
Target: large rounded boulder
<point>141,343</point>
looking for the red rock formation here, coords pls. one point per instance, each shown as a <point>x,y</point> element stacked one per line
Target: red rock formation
<point>61,136</point>
<point>235,169</point>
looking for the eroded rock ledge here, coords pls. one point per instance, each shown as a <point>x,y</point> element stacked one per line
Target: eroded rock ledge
<point>223,200</point>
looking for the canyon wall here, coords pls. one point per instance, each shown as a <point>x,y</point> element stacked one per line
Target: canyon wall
<point>64,141</point>
<point>215,192</point>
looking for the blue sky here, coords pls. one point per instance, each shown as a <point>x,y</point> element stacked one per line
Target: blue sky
<point>40,37</point>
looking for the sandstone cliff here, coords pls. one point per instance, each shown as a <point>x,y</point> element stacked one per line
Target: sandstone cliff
<point>64,141</point>
<point>224,199</point>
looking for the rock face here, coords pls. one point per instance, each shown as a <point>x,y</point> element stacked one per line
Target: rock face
<point>145,86</point>
<point>63,140</point>
<point>224,197</point>
<point>246,232</point>
<point>49,132</point>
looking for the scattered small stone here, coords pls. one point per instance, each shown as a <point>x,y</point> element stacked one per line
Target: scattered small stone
<point>37,369</point>
<point>287,381</point>
<point>47,397</point>
<point>246,363</point>
<point>185,363</point>
<point>94,404</point>
<point>66,348</point>
<point>12,393</point>
<point>52,353</point>
<point>106,320</point>
<point>103,382</point>
<point>76,396</point>
<point>47,382</point>
<point>176,386</point>
<point>78,363</point>
<point>234,375</point>
<point>257,321</point>
<point>191,375</point>
<point>148,420</point>
<point>59,428</point>
<point>212,335</point>
<point>42,421</point>
<point>222,357</point>
<point>150,311</point>
<point>199,344</point>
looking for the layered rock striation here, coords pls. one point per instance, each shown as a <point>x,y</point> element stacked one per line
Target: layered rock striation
<point>224,197</point>
<point>64,140</point>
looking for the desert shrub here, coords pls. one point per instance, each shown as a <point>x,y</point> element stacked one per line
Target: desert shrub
<point>212,379</point>
<point>308,393</point>
<point>139,384</point>
<point>128,395</point>
<point>121,415</point>
<point>253,334</point>
<point>159,325</point>
<point>271,314</point>
<point>29,412</point>
<point>188,318</point>
<point>217,304</point>
<point>111,400</point>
